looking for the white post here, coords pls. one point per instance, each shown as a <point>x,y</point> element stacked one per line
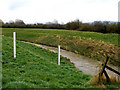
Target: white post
<point>14,44</point>
<point>58,54</point>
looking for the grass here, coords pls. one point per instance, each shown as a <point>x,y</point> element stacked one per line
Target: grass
<point>90,44</point>
<point>110,38</point>
<point>35,67</point>
<point>103,83</point>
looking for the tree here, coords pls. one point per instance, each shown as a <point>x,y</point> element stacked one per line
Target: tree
<point>112,28</point>
<point>11,22</point>
<point>86,27</point>
<point>99,26</point>
<point>1,22</point>
<point>54,22</point>
<point>74,25</point>
<point>19,22</point>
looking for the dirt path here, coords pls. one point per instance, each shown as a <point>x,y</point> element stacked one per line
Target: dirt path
<point>86,65</point>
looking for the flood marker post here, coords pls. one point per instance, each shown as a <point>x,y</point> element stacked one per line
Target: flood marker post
<point>14,44</point>
<point>58,54</point>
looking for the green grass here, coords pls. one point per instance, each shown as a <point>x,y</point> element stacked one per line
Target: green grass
<point>32,33</point>
<point>35,67</point>
<point>90,44</point>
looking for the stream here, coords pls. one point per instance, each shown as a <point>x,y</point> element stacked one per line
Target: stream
<point>84,64</point>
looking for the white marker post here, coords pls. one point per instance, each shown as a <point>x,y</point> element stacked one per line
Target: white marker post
<point>14,44</point>
<point>58,54</point>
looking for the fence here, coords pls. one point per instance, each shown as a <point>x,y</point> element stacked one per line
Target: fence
<point>105,73</point>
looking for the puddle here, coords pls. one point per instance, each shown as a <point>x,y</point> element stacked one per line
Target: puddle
<point>86,65</point>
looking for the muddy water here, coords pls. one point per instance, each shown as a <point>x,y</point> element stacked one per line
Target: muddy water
<point>86,65</point>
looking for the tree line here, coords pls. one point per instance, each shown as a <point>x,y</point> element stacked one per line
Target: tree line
<point>96,26</point>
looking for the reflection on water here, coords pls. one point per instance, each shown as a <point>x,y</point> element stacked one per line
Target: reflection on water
<point>86,65</point>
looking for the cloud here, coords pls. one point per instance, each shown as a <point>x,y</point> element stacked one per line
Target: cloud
<point>62,10</point>
<point>17,4</point>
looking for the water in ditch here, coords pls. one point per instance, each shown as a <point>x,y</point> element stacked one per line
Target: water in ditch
<point>86,65</point>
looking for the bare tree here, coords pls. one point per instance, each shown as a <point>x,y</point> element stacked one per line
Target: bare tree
<point>18,21</point>
<point>11,22</point>
<point>1,22</point>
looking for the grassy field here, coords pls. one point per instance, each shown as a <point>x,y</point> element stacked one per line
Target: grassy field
<point>35,67</point>
<point>90,44</point>
<point>110,38</point>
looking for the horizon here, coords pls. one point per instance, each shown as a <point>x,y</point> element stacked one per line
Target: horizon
<point>38,11</point>
<point>60,23</point>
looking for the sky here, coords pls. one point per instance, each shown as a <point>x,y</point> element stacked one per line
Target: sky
<point>41,11</point>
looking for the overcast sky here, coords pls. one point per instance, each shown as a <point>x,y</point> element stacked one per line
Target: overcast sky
<point>32,11</point>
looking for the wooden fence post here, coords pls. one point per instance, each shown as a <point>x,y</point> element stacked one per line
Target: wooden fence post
<point>103,71</point>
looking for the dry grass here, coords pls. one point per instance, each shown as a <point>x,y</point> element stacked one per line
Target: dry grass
<point>87,47</point>
<point>101,83</point>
